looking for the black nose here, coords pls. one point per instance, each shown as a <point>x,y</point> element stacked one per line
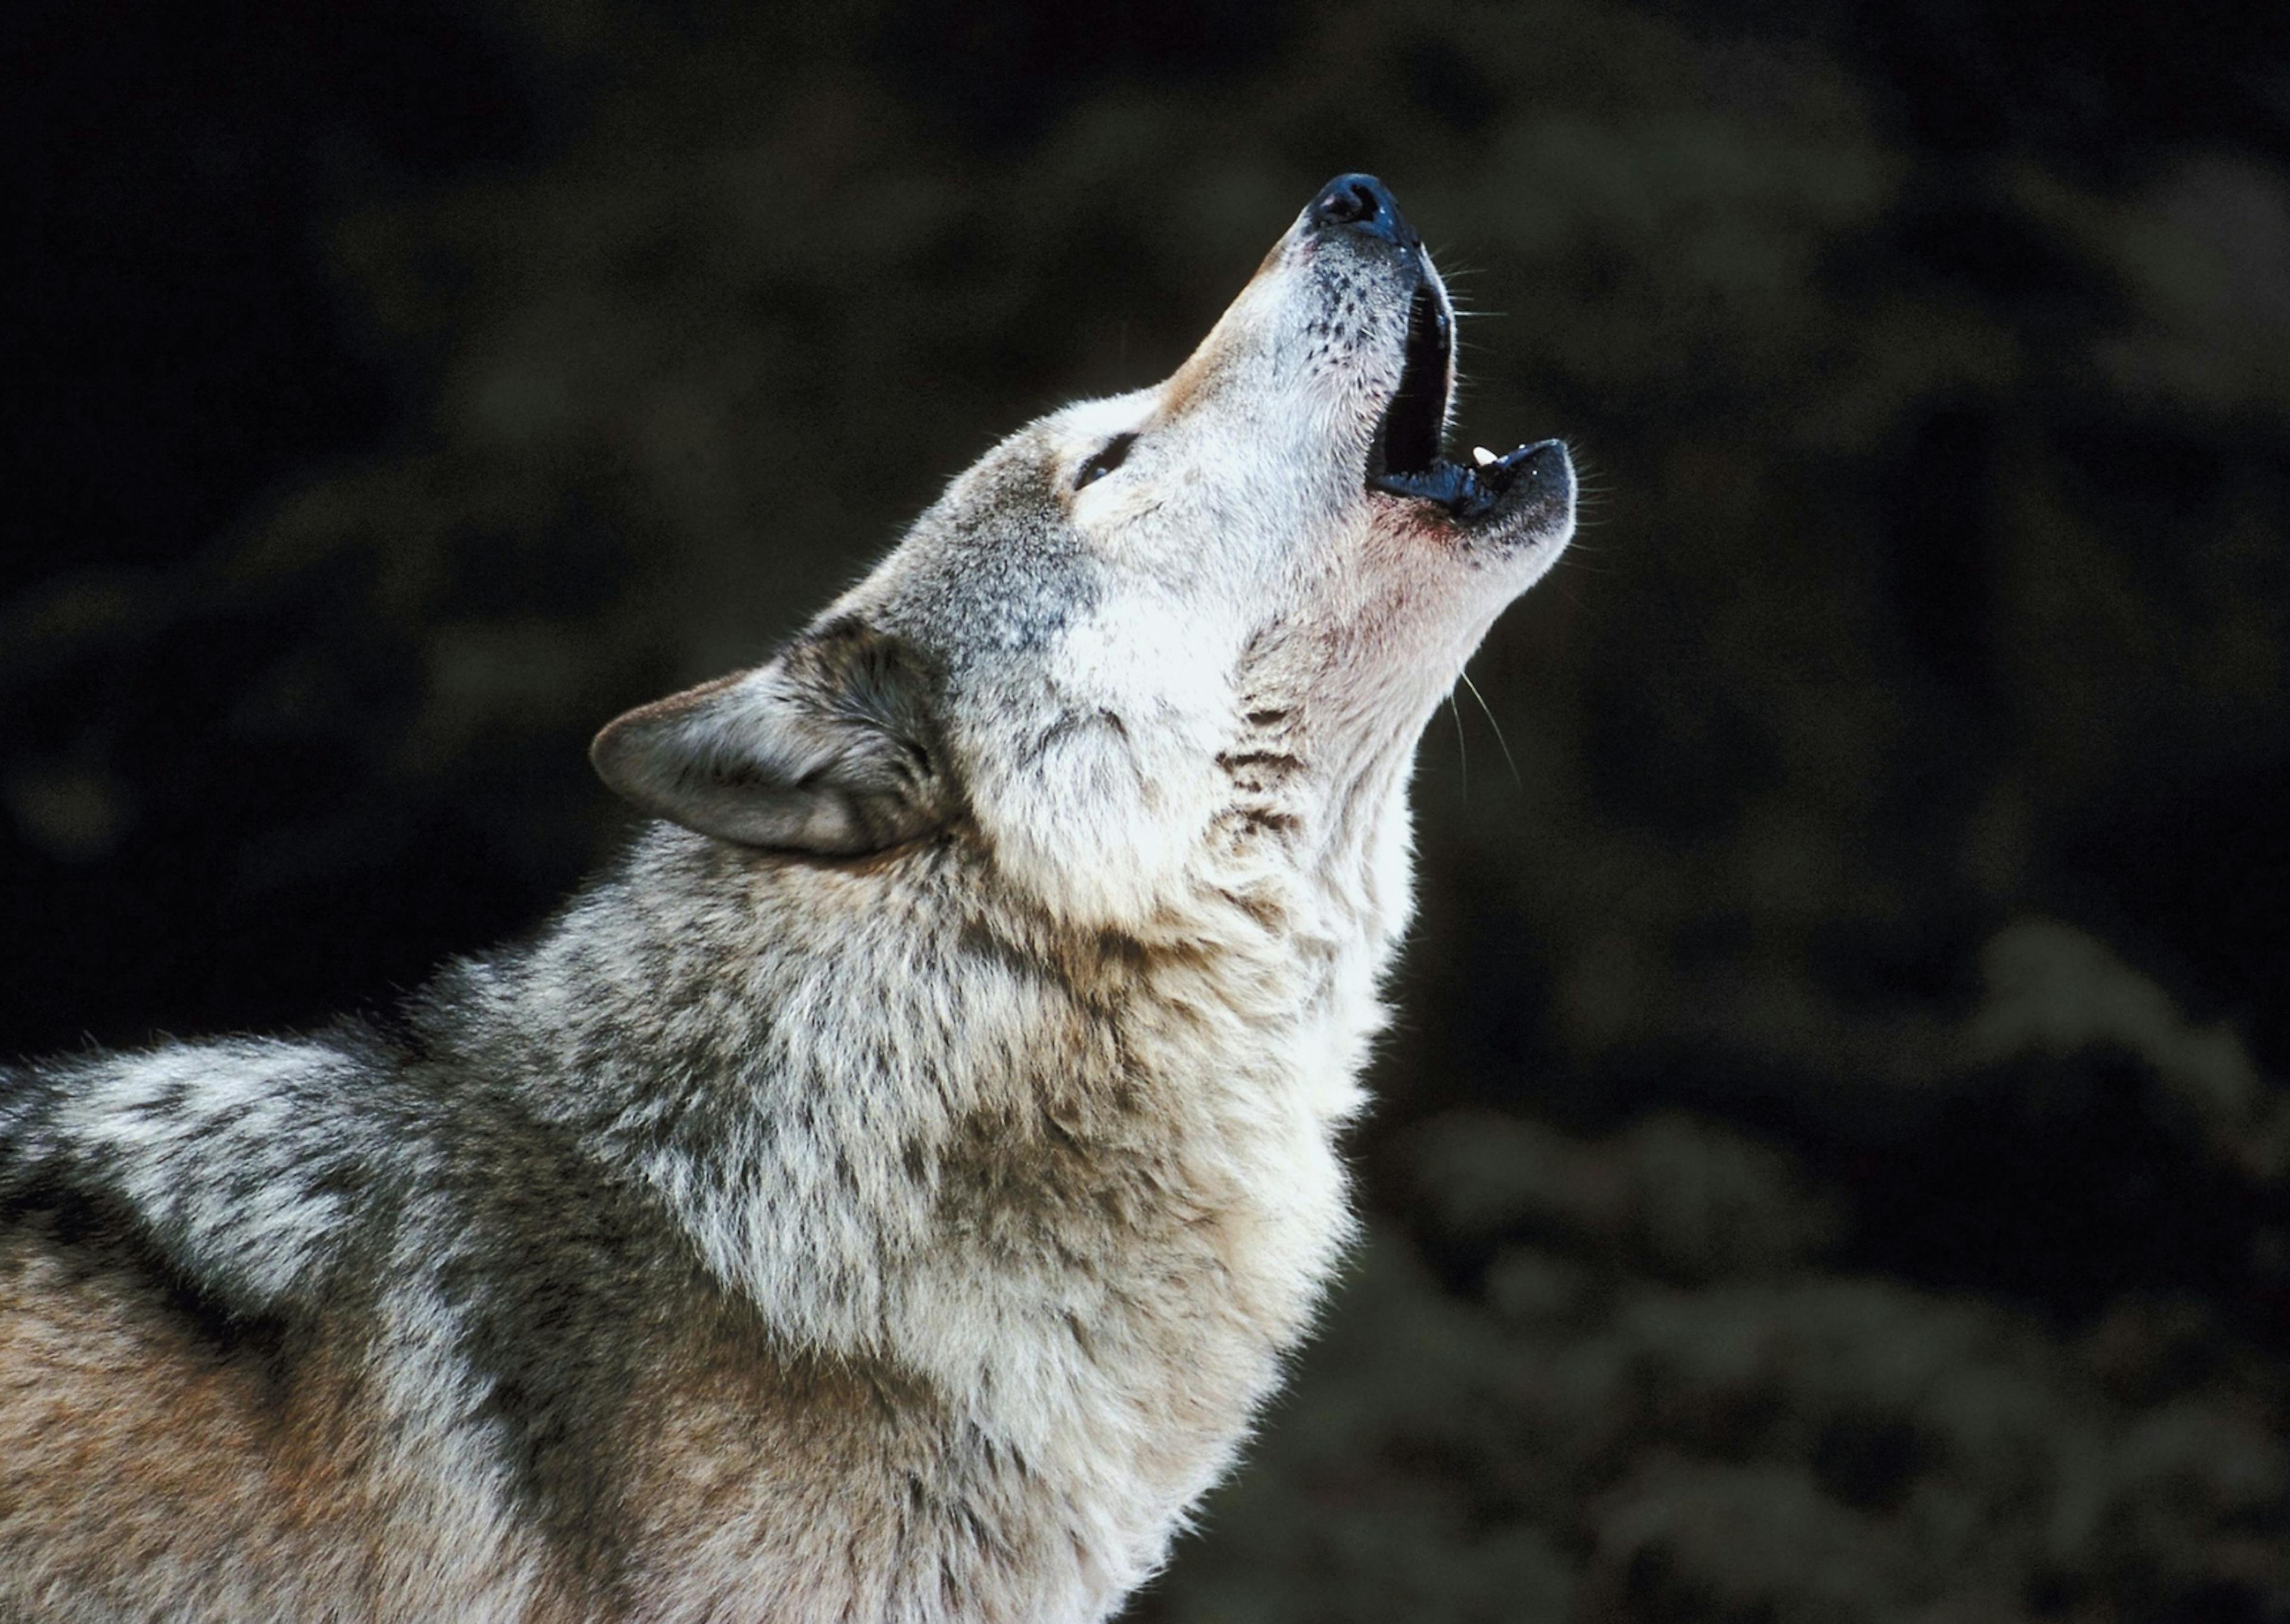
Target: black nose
<point>1362,204</point>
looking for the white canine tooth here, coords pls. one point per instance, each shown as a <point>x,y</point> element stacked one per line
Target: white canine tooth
<point>1481,455</point>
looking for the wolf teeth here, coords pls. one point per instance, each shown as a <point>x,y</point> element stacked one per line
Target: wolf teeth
<point>1481,455</point>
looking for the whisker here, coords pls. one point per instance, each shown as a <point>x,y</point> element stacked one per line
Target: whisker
<point>1500,739</point>
<point>1462,752</point>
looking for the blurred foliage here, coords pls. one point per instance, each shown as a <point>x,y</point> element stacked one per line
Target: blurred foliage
<point>1833,1157</point>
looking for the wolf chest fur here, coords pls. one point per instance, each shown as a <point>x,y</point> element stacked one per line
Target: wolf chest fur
<point>889,1192</point>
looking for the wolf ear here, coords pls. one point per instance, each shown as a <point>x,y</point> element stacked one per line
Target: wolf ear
<point>830,748</point>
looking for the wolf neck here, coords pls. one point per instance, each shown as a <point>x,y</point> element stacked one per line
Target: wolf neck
<point>961,1137</point>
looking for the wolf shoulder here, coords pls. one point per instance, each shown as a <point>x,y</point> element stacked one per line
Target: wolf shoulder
<point>240,1163</point>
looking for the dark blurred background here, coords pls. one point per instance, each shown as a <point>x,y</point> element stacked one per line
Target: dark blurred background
<point>1834,1161</point>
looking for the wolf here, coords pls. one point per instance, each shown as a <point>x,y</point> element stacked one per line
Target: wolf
<point>888,1193</point>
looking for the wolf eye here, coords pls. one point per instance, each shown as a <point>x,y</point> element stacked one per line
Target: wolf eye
<point>1106,460</point>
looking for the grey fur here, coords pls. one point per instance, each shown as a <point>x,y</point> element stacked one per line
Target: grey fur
<point>889,1192</point>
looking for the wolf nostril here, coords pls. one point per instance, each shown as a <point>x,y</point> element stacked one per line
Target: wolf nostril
<point>1364,204</point>
<point>1345,202</point>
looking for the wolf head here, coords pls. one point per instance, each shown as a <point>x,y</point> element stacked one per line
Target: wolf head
<point>1183,639</point>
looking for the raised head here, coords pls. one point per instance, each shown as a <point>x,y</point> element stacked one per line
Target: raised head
<point>1181,638</point>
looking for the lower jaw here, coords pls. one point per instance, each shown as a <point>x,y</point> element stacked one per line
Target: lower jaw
<point>1472,493</point>
<point>1450,485</point>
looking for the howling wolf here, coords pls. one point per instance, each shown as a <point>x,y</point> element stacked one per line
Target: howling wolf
<point>888,1193</point>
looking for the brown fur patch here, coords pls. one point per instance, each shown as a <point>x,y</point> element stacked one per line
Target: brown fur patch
<point>739,1451</point>
<point>150,1470</point>
<point>126,1438</point>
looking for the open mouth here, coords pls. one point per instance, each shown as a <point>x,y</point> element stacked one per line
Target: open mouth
<point>1405,458</point>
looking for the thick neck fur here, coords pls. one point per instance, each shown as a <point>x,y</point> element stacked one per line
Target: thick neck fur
<point>1081,1182</point>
